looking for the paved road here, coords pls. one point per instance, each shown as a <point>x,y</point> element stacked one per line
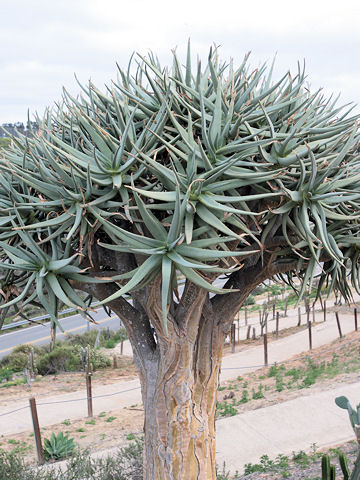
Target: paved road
<point>40,334</point>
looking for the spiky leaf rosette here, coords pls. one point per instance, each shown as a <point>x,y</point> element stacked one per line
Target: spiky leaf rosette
<point>188,170</point>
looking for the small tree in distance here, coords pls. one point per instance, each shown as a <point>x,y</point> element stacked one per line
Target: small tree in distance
<point>214,176</point>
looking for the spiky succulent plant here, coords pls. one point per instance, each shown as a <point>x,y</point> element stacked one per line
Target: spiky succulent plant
<point>190,171</point>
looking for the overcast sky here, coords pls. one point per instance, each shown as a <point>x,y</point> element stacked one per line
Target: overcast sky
<point>44,42</point>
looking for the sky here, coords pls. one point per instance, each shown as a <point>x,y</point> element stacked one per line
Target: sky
<point>44,43</point>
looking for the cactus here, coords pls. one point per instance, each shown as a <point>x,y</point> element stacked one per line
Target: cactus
<point>354,416</point>
<point>85,358</point>
<point>31,366</point>
<point>344,466</point>
<point>328,471</point>
<point>325,467</point>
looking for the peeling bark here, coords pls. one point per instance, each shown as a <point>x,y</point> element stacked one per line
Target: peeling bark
<point>179,395</point>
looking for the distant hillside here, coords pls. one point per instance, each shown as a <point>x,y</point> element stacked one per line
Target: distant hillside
<point>18,128</point>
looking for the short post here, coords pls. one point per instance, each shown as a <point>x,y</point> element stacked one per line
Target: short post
<point>232,337</point>
<point>286,306</point>
<point>248,332</point>
<point>37,435</point>
<point>122,345</point>
<point>115,364</point>
<point>306,304</point>
<point>338,324</point>
<point>324,309</point>
<point>310,334</point>
<point>273,307</point>
<point>355,319</point>
<point>277,324</point>
<point>254,334</point>
<point>307,313</point>
<point>265,350</point>
<point>89,394</point>
<point>299,317</point>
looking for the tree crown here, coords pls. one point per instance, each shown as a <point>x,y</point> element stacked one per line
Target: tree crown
<point>206,172</point>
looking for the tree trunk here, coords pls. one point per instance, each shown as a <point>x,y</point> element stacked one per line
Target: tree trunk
<point>179,395</point>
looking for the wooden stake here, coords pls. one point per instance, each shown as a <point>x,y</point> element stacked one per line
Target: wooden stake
<point>277,324</point>
<point>324,309</point>
<point>338,324</point>
<point>248,332</point>
<point>273,307</point>
<point>89,395</point>
<point>355,319</point>
<point>265,350</point>
<point>286,306</point>
<point>310,334</point>
<point>254,334</point>
<point>122,345</point>
<point>299,317</point>
<point>37,434</point>
<point>307,313</point>
<point>115,364</point>
<point>233,338</point>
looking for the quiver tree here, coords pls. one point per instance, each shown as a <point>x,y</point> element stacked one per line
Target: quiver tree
<point>190,175</point>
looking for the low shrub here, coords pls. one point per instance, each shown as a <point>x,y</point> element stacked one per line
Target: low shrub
<point>63,358</point>
<point>18,359</point>
<point>250,300</point>
<point>89,338</point>
<point>67,358</point>
<point>125,464</point>
<point>6,374</point>
<point>98,360</point>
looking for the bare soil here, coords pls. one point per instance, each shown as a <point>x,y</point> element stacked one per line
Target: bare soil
<point>328,366</point>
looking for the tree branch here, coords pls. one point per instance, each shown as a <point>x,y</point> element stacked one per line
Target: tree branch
<point>135,321</point>
<point>245,280</point>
